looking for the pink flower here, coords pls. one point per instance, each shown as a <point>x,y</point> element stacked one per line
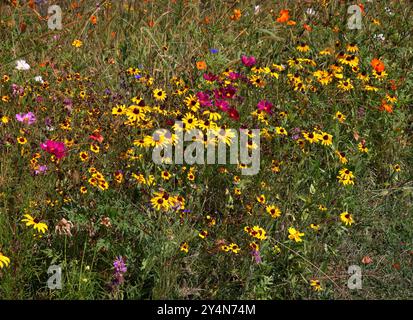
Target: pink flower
<point>54,147</point>
<point>248,61</point>
<point>28,118</point>
<point>265,105</point>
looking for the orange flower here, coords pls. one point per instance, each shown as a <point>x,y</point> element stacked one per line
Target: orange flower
<point>291,22</point>
<point>361,7</point>
<point>284,16</point>
<point>307,27</point>
<point>93,20</point>
<point>377,64</point>
<point>237,15</point>
<point>386,107</point>
<point>201,65</point>
<point>151,23</point>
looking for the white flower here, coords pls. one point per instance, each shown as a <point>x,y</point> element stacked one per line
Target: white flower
<point>379,37</point>
<point>310,11</point>
<point>257,9</point>
<point>388,10</point>
<point>38,79</point>
<point>22,65</point>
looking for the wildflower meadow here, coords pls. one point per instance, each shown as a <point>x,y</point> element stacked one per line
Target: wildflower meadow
<point>201,149</point>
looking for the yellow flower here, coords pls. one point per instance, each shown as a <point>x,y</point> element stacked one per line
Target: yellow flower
<point>77,43</point>
<point>281,131</point>
<point>345,85</point>
<point>347,218</point>
<point>234,248</point>
<point>37,225</point>
<point>315,284</point>
<point>273,211</point>
<point>315,227</point>
<point>295,235</point>
<point>362,148</point>
<point>4,261</point>
<point>5,119</point>
<point>21,140</point>
<point>261,199</point>
<point>325,138</point>
<point>184,247</point>
<point>397,168</point>
<point>340,117</point>
<point>159,94</point>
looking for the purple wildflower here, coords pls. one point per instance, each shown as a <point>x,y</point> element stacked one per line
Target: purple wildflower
<point>27,118</point>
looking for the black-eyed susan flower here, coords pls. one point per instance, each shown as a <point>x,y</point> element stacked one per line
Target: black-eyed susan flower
<point>303,47</point>
<point>4,261</point>
<point>203,234</point>
<point>281,131</point>
<point>316,285</point>
<point>184,247</point>
<point>352,47</point>
<point>192,103</point>
<point>83,190</point>
<point>295,234</point>
<point>347,218</point>
<point>83,156</point>
<point>234,248</point>
<point>41,227</point>
<point>311,137</point>
<point>325,138</point>
<point>346,177</point>
<point>362,147</point>
<point>342,156</point>
<point>345,85</point>
<point>21,140</point>
<point>322,207</point>
<point>261,199</point>
<point>340,117</point>
<point>190,121</point>
<point>397,168</point>
<point>165,175</point>
<point>315,227</point>
<point>256,232</point>
<point>273,211</point>
<point>159,94</point>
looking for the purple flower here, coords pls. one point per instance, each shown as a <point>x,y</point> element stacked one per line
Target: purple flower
<point>213,50</point>
<point>119,269</point>
<point>265,105</point>
<point>248,61</point>
<point>28,118</point>
<point>257,256</point>
<point>119,265</point>
<point>40,169</point>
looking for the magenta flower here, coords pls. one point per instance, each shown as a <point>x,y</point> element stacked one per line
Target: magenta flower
<point>222,104</point>
<point>248,61</point>
<point>265,105</point>
<point>204,99</point>
<point>54,147</point>
<point>28,118</point>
